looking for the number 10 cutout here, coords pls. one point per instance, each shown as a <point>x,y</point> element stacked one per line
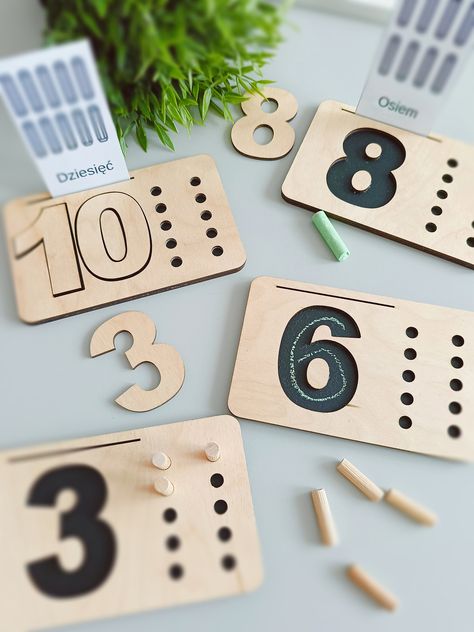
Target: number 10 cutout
<point>358,366</point>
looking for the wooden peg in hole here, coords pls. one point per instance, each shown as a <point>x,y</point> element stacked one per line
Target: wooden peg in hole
<point>359,480</point>
<point>371,587</point>
<point>323,512</point>
<point>411,508</point>
<point>161,460</point>
<point>164,486</point>
<point>213,451</point>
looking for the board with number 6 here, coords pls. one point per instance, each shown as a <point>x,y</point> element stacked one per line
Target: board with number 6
<point>352,365</point>
<point>89,536</point>
<point>414,189</point>
<point>169,225</point>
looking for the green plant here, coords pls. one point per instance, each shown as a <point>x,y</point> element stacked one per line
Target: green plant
<point>168,62</point>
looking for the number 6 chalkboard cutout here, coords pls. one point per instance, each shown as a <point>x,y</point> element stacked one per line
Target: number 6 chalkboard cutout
<point>164,358</point>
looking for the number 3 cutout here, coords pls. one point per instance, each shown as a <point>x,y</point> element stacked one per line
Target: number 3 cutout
<point>164,358</point>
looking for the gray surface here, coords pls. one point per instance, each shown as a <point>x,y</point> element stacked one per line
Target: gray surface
<point>51,390</point>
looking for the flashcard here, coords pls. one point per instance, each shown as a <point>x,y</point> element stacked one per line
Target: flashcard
<point>125,522</point>
<point>169,225</point>
<point>352,365</point>
<point>414,189</point>
<point>57,102</point>
<point>419,58</point>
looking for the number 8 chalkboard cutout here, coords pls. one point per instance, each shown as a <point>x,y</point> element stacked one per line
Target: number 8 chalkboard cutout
<point>163,357</point>
<point>364,176</point>
<point>297,351</point>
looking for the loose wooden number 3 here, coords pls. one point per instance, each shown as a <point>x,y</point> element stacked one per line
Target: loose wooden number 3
<point>164,357</point>
<point>242,134</point>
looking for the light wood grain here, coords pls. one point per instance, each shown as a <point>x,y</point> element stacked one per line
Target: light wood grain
<point>405,217</point>
<point>140,577</point>
<point>107,245</point>
<point>412,508</point>
<point>376,410</point>
<point>163,357</point>
<point>359,480</point>
<point>212,451</point>
<point>242,134</point>
<point>371,587</point>
<point>327,526</point>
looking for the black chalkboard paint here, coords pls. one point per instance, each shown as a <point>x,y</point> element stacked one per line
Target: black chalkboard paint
<point>383,184</point>
<point>80,522</point>
<point>297,351</point>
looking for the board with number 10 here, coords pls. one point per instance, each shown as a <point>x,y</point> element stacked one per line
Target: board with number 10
<point>169,225</point>
<point>357,366</point>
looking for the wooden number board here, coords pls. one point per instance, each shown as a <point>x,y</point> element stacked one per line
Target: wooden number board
<point>89,535</point>
<point>353,365</point>
<point>414,189</point>
<point>167,226</point>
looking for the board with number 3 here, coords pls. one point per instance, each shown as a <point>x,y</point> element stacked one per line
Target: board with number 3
<point>89,535</point>
<point>169,225</point>
<point>357,366</point>
<point>415,189</point>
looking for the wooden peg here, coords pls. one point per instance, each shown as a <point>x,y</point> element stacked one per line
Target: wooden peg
<point>161,460</point>
<point>164,486</point>
<point>361,180</point>
<point>363,484</point>
<point>324,516</point>
<point>213,452</point>
<point>371,587</point>
<point>411,508</point>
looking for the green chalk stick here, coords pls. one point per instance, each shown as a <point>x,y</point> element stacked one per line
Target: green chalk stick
<point>330,236</point>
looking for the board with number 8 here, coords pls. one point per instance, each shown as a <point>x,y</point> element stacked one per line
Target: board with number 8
<point>357,366</point>
<point>169,225</point>
<point>89,536</point>
<point>414,189</point>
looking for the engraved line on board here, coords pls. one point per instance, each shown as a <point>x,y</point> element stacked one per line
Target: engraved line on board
<point>344,298</point>
<point>436,140</point>
<point>51,453</point>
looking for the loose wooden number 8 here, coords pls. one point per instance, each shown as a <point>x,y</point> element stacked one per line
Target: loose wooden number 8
<point>164,358</point>
<point>242,134</point>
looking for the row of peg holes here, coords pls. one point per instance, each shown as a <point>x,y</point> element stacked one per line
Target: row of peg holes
<point>224,534</point>
<point>442,194</point>
<point>408,375</point>
<point>166,225</point>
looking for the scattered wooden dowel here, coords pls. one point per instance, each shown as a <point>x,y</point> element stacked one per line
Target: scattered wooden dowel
<point>323,512</point>
<point>161,460</point>
<point>371,587</point>
<point>363,484</point>
<point>213,452</point>
<point>411,508</point>
<point>164,486</point>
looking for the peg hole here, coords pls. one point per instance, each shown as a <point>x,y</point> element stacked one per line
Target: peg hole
<point>217,480</point>
<point>229,562</point>
<point>173,543</point>
<point>410,354</point>
<point>431,227</point>
<point>470,242</point>
<point>411,332</point>
<point>176,262</point>
<point>176,571</point>
<point>155,191</point>
<point>200,198</point>
<point>407,399</point>
<point>456,385</point>
<point>224,534</point>
<point>447,177</point>
<point>160,208</point>
<point>454,432</point>
<point>220,507</point>
<point>206,215</point>
<point>442,194</point>
<point>211,233</point>
<point>455,408</point>
<point>436,210</point>
<point>166,225</point>
<point>457,362</point>
<point>171,243</point>
<point>457,340</point>
<point>452,162</point>
<point>170,515</point>
<point>217,251</point>
<point>408,376</point>
<point>195,181</point>
<point>405,422</point>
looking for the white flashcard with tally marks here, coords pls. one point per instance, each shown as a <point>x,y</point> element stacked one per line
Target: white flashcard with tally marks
<point>56,99</point>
